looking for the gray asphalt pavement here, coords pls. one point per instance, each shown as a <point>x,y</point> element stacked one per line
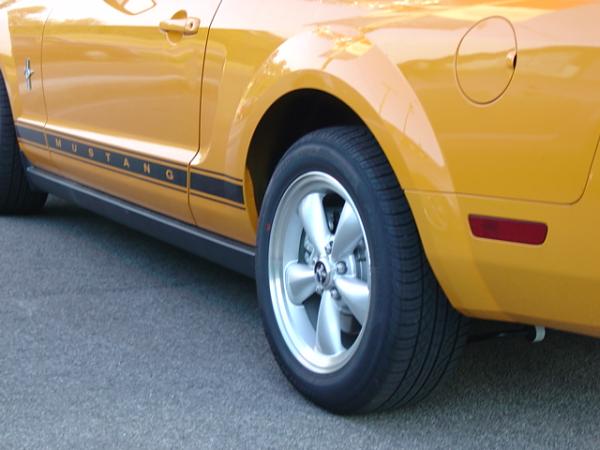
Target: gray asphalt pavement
<point>110,339</point>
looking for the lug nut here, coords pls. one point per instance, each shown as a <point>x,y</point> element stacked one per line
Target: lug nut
<point>329,248</point>
<point>341,268</point>
<point>335,294</point>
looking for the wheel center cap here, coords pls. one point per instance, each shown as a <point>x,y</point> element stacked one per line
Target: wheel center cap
<point>321,274</point>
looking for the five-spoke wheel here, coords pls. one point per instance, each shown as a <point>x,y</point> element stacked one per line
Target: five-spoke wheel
<point>319,270</point>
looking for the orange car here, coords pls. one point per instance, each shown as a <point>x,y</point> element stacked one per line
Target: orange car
<point>384,168</point>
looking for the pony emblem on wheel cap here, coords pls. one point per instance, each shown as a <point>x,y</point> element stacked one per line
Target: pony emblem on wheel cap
<point>321,274</point>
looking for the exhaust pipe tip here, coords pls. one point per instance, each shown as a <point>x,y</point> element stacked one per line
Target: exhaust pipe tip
<point>538,334</point>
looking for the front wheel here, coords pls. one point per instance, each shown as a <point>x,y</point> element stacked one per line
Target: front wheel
<point>350,306</point>
<point>16,196</point>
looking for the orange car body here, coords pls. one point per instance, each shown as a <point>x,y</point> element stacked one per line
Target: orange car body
<point>485,108</point>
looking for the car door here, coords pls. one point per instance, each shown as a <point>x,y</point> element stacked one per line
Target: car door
<point>122,83</point>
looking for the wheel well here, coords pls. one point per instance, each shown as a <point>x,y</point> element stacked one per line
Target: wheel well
<point>286,121</point>
<point>4,84</point>
<point>3,80</point>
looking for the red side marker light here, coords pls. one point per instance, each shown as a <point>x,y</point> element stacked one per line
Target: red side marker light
<point>500,229</point>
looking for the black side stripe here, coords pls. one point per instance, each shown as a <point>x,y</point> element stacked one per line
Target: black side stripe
<point>160,172</point>
<point>218,188</point>
<point>31,135</point>
<point>152,171</point>
<point>222,175</point>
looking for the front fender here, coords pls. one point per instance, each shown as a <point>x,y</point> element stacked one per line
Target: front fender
<point>7,63</point>
<point>21,28</point>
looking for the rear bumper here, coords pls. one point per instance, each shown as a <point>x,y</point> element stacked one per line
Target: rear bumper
<point>556,284</point>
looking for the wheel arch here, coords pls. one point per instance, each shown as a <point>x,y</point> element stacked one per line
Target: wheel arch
<point>288,119</point>
<point>367,89</point>
<point>6,83</point>
<point>8,69</point>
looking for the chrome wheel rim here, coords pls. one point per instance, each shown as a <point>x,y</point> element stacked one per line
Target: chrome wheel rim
<point>319,272</point>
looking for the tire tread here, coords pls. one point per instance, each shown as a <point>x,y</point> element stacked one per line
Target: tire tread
<point>438,333</point>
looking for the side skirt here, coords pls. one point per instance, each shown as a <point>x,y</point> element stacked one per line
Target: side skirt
<point>225,252</point>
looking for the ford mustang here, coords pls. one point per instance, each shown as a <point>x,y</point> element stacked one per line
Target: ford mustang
<point>384,169</point>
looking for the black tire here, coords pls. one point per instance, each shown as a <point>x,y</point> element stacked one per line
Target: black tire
<point>413,336</point>
<point>16,196</point>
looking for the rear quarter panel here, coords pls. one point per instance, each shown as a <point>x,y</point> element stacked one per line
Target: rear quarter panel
<point>394,64</point>
<point>528,154</point>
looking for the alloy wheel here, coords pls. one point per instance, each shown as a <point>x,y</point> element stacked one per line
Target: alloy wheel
<point>320,272</point>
